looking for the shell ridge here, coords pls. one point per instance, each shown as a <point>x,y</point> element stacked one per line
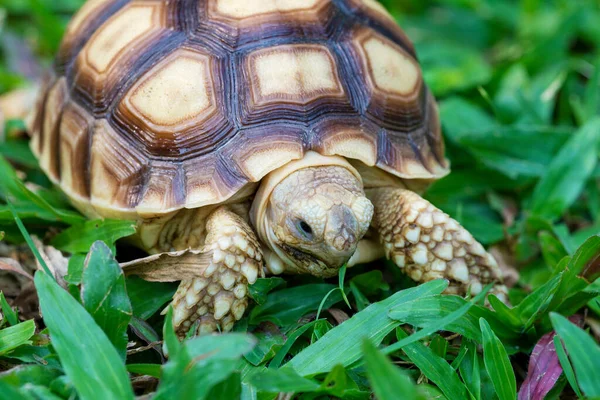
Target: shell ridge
<point>253,90</point>
<point>66,57</point>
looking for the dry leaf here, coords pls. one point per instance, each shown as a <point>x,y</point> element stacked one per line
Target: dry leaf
<point>16,270</point>
<point>12,265</point>
<point>169,267</point>
<point>506,263</point>
<point>594,325</point>
<point>339,315</point>
<point>54,259</point>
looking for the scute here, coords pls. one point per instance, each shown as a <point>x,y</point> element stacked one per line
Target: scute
<point>75,127</point>
<point>240,22</point>
<point>241,9</point>
<point>117,169</point>
<point>175,95</point>
<point>391,70</point>
<point>159,105</point>
<point>48,145</point>
<point>257,158</point>
<point>87,11</point>
<point>296,74</point>
<point>103,59</point>
<point>394,81</point>
<point>346,140</point>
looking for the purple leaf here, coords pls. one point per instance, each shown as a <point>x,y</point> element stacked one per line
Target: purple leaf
<point>544,367</point>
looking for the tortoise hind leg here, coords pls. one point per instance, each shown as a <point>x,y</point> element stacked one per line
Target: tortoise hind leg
<point>427,244</point>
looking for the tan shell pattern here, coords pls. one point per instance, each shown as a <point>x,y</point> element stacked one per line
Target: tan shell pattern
<point>160,105</point>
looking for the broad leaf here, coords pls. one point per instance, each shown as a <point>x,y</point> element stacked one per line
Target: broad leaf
<point>259,290</point>
<point>285,307</point>
<point>79,238</point>
<point>544,370</point>
<point>148,297</point>
<point>86,353</point>
<point>104,295</point>
<point>566,175</point>
<point>198,365</point>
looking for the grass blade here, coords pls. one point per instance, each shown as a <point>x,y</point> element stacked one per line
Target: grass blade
<point>497,363</point>
<point>291,339</point>
<point>145,369</point>
<point>430,310</point>
<point>15,336</point>
<point>11,315</point>
<point>566,365</point>
<point>28,239</point>
<point>341,345</point>
<point>438,325</point>
<point>435,368</point>
<point>469,370</point>
<point>583,352</point>
<point>386,379</point>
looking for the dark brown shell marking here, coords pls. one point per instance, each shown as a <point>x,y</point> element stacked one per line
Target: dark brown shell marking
<point>157,105</point>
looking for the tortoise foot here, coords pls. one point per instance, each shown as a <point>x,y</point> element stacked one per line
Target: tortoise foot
<point>427,244</point>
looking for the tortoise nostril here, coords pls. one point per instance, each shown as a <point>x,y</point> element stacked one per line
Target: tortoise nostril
<point>343,228</point>
<point>342,219</point>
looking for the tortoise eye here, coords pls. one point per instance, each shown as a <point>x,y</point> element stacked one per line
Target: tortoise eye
<point>305,229</point>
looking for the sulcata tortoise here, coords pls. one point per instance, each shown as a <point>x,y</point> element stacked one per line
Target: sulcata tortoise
<point>252,137</point>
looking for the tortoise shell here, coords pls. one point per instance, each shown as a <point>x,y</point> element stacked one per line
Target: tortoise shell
<point>155,106</point>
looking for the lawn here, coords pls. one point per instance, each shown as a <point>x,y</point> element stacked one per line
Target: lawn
<point>518,87</point>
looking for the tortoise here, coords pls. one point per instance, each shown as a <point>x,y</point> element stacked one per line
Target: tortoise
<point>252,137</point>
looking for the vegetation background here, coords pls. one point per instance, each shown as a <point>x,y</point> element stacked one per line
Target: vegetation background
<point>518,83</point>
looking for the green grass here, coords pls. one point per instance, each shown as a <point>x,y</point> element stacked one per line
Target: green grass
<point>518,84</point>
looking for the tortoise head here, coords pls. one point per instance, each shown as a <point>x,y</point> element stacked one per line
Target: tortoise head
<point>314,214</point>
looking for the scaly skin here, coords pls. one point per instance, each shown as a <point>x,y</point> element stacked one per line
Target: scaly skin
<point>427,244</point>
<point>420,239</point>
<point>219,296</point>
<point>330,202</point>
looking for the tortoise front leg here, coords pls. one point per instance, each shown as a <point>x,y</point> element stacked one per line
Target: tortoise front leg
<point>427,244</point>
<point>214,277</point>
<point>218,296</point>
